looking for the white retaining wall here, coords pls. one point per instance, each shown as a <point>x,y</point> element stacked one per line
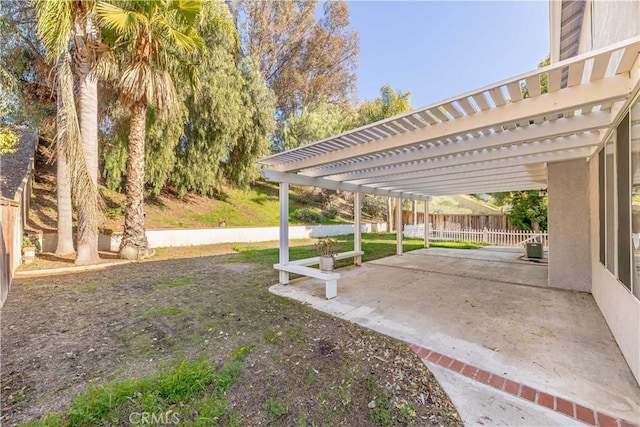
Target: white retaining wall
<point>210,236</point>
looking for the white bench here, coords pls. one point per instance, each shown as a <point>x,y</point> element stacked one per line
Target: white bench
<point>301,266</point>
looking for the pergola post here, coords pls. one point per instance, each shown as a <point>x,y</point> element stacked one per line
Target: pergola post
<point>357,229</point>
<point>389,216</point>
<point>414,211</point>
<point>426,223</point>
<point>399,225</point>
<point>284,230</point>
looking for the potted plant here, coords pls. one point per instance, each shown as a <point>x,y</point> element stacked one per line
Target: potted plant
<point>326,249</point>
<point>28,250</point>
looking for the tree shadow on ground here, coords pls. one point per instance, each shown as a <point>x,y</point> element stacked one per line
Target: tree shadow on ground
<point>134,319</point>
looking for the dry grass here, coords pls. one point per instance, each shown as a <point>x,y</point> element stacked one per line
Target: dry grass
<point>63,333</point>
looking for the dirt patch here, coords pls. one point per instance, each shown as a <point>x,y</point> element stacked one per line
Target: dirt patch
<point>62,333</point>
<point>48,261</point>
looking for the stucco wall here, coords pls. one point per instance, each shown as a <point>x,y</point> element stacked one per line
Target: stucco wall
<point>614,21</point>
<point>606,22</point>
<point>569,225</point>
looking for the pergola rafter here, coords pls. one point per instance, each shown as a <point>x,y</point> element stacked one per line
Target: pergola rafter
<point>495,127</point>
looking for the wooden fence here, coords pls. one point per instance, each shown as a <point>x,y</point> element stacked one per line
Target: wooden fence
<point>462,221</point>
<point>491,237</point>
<point>15,198</point>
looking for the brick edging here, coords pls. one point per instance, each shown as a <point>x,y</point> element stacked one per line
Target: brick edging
<point>555,403</point>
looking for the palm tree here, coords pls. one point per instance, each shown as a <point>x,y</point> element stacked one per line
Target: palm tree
<point>150,35</point>
<point>67,136</point>
<point>59,24</point>
<point>86,39</point>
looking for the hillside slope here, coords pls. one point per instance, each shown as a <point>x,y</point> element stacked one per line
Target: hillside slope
<point>257,206</point>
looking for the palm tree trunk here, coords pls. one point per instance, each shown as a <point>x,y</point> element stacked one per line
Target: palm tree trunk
<point>87,221</point>
<point>88,115</point>
<point>65,213</point>
<point>134,241</point>
<point>63,190</point>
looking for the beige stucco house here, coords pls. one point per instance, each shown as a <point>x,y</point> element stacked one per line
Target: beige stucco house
<point>579,140</point>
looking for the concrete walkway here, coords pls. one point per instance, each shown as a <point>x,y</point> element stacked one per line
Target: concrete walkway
<point>507,349</point>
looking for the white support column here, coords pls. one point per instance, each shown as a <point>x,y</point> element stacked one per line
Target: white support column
<point>426,224</point>
<point>331,289</point>
<point>284,230</point>
<point>399,225</point>
<point>389,216</point>
<point>357,228</point>
<point>414,211</point>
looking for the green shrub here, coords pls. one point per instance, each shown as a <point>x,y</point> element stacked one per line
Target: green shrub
<point>331,212</point>
<point>308,216</point>
<point>374,207</point>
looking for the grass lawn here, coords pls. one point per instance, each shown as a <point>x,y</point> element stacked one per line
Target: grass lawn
<point>192,335</point>
<point>374,245</point>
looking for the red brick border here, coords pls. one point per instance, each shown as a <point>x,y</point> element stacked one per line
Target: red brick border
<point>555,403</point>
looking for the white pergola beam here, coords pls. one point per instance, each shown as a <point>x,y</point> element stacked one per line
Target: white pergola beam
<point>545,130</point>
<point>293,178</point>
<point>446,173</point>
<point>408,186</point>
<point>462,177</point>
<point>573,98</point>
<point>484,189</point>
<point>461,188</point>
<point>538,159</point>
<point>560,146</point>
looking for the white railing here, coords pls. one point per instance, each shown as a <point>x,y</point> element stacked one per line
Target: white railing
<point>491,237</point>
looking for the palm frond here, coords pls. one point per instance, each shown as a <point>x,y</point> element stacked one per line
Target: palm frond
<point>119,20</point>
<point>184,41</point>
<point>134,81</point>
<point>106,66</point>
<point>162,91</point>
<point>186,10</point>
<point>54,25</point>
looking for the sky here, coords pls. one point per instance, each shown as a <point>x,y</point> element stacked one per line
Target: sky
<point>439,49</point>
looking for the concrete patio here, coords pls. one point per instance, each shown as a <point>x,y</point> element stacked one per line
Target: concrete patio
<point>490,310</point>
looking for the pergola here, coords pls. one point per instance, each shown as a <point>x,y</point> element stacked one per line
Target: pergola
<point>488,140</point>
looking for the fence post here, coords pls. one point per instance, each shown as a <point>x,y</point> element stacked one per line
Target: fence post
<point>485,235</point>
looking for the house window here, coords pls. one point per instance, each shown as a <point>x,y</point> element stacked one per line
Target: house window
<point>634,136</point>
<point>609,207</point>
<point>624,202</point>
<point>619,201</point>
<point>602,210</point>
